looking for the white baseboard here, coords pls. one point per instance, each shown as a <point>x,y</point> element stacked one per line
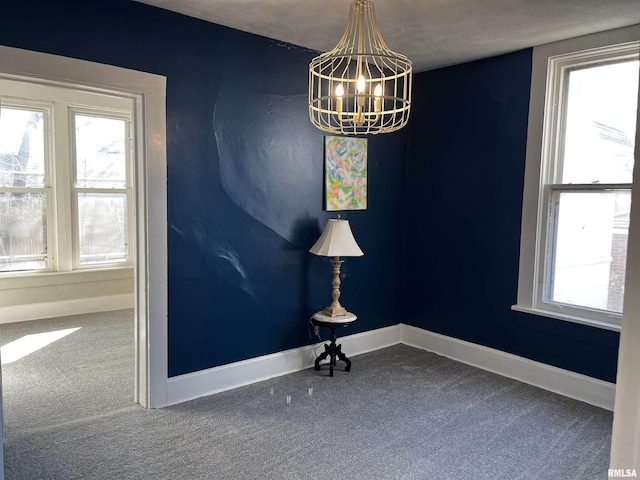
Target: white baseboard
<point>570,384</point>
<point>36,311</point>
<point>218,379</point>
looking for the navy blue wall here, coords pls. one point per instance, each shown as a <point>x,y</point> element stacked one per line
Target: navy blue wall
<point>464,197</point>
<point>245,192</point>
<point>245,171</point>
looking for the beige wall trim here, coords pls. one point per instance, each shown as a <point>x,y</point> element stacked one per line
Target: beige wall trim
<point>35,311</point>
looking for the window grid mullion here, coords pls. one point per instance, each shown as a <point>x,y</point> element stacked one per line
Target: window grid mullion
<point>61,168</point>
<point>561,118</point>
<point>100,190</point>
<point>585,187</point>
<point>551,234</point>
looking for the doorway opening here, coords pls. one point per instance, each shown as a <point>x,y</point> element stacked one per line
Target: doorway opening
<point>147,93</point>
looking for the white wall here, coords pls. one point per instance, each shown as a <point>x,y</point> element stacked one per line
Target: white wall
<point>30,297</point>
<point>625,442</point>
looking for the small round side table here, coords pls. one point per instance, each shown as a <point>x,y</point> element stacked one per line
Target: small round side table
<point>332,350</point>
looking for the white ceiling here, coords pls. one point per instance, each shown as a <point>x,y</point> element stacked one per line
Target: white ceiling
<point>432,33</point>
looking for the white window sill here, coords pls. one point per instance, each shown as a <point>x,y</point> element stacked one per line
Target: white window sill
<point>569,318</point>
<point>42,279</point>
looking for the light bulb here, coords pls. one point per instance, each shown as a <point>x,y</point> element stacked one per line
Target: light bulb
<point>339,93</point>
<point>361,84</point>
<point>377,102</point>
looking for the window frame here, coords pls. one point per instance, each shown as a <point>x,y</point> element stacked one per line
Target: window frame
<point>46,108</point>
<point>116,114</point>
<point>60,105</point>
<point>551,64</point>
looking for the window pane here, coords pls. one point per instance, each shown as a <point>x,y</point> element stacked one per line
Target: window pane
<point>103,227</point>
<point>601,124</point>
<point>100,152</point>
<point>21,148</point>
<point>23,231</point>
<point>588,264</point>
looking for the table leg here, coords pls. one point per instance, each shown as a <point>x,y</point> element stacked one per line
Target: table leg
<point>332,360</point>
<point>334,352</point>
<point>343,357</point>
<point>322,356</point>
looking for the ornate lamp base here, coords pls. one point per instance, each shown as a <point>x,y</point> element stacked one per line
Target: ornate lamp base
<point>335,309</point>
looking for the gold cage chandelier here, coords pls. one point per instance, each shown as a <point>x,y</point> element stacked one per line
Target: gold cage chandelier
<point>361,86</point>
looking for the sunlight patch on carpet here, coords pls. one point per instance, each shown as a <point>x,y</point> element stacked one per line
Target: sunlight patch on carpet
<point>31,343</point>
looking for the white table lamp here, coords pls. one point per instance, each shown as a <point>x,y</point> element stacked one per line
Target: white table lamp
<point>336,241</point>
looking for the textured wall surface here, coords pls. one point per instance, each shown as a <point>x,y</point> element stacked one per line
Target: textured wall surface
<point>464,198</point>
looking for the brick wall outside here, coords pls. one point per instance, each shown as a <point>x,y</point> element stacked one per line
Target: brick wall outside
<point>617,271</point>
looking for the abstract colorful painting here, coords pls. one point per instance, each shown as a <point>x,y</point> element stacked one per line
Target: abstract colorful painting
<point>345,173</point>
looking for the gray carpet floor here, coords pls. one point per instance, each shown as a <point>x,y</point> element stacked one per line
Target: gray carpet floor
<point>401,413</point>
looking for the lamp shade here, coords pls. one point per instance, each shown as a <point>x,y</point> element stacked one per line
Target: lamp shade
<point>337,241</point>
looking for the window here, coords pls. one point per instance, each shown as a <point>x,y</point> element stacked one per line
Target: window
<point>24,195</point>
<point>65,179</point>
<point>578,183</point>
<point>100,191</point>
